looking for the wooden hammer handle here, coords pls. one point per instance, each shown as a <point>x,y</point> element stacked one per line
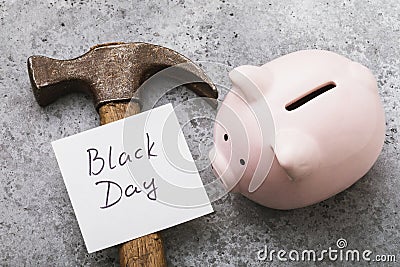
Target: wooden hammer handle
<point>147,250</point>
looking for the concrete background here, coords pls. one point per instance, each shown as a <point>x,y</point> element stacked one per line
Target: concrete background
<point>37,223</point>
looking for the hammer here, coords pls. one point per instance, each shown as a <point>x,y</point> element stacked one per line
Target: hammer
<point>112,74</point>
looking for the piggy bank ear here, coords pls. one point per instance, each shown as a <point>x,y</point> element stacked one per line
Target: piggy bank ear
<point>251,81</point>
<point>297,153</point>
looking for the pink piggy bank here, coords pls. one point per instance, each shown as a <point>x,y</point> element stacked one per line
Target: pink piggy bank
<point>298,129</point>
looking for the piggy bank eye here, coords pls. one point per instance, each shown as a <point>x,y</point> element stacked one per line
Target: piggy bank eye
<point>226,137</point>
<point>242,162</point>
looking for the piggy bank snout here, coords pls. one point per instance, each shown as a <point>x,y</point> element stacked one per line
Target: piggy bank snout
<point>221,169</point>
<point>212,154</point>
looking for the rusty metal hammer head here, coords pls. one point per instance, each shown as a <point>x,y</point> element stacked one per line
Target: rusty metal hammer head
<point>110,72</point>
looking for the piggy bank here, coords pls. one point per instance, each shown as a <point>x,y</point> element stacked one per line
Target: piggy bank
<point>298,129</point>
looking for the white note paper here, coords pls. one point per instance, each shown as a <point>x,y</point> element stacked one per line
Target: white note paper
<point>130,178</point>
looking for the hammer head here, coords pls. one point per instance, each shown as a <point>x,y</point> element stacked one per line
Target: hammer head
<point>110,72</point>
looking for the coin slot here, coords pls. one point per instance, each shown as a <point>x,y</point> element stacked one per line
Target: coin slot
<point>310,95</point>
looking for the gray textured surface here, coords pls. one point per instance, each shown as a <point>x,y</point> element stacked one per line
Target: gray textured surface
<point>37,224</point>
